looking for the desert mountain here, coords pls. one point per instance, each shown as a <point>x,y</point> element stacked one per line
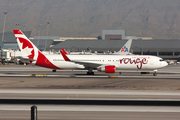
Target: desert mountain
<point>87,18</point>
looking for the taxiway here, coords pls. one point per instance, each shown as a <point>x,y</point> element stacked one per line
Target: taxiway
<point>28,82</point>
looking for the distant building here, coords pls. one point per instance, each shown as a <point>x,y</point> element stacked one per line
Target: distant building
<point>130,37</point>
<point>79,38</point>
<point>144,38</point>
<point>113,34</point>
<point>46,37</point>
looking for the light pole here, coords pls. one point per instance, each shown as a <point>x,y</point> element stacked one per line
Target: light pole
<point>39,34</point>
<point>5,13</point>
<point>46,36</point>
<point>141,48</point>
<point>17,25</point>
<point>24,27</point>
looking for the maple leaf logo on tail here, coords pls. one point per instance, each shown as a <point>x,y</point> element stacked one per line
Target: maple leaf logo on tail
<point>25,45</point>
<point>27,48</point>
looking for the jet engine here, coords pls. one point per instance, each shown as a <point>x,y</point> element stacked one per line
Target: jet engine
<point>108,69</point>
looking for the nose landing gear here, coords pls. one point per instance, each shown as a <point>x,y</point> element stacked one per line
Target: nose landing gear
<point>155,73</point>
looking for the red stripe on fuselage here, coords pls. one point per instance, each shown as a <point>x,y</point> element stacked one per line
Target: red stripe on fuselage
<point>44,62</point>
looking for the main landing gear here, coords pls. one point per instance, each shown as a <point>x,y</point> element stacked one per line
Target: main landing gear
<point>53,70</point>
<point>90,72</point>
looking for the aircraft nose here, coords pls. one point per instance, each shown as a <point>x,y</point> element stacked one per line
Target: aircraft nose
<point>165,63</point>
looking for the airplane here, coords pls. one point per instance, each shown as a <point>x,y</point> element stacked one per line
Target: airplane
<point>125,50</point>
<point>104,63</point>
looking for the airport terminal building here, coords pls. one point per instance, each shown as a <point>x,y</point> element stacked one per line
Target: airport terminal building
<point>112,41</point>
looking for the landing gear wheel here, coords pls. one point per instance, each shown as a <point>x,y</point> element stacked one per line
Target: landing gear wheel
<point>53,70</point>
<point>155,74</point>
<point>90,73</point>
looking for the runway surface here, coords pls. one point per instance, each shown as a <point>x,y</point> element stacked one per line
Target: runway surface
<point>90,112</point>
<point>92,108</point>
<point>90,115</point>
<point>54,112</point>
<point>16,82</point>
<point>88,94</point>
<point>168,69</point>
<point>20,76</point>
<point>91,83</point>
<point>171,71</point>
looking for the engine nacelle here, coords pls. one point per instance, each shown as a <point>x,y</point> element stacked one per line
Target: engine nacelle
<point>108,69</point>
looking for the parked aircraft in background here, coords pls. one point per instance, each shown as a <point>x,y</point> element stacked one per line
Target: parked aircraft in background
<point>125,50</point>
<point>104,63</point>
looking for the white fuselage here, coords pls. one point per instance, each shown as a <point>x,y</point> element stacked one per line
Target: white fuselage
<point>121,62</point>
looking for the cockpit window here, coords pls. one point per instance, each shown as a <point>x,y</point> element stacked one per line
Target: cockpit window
<point>161,60</point>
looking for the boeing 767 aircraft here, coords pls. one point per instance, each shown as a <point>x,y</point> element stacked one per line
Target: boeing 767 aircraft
<point>105,63</point>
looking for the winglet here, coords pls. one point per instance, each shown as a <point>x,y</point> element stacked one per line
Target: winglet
<point>64,56</point>
<point>64,51</point>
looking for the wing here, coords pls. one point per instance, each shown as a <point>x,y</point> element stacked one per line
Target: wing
<point>86,64</point>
